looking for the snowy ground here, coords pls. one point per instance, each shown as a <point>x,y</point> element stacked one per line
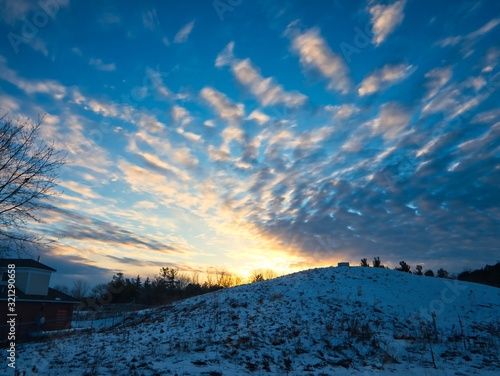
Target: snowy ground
<point>331,321</point>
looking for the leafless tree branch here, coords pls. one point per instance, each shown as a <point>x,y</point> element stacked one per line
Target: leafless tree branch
<point>28,178</point>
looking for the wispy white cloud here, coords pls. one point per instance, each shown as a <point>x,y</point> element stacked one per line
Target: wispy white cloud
<point>266,90</point>
<point>384,77</point>
<point>449,41</point>
<point>145,205</point>
<point>231,133</point>
<point>110,18</point>
<point>491,59</point>
<point>222,104</point>
<point>436,79</point>
<point>455,98</point>
<point>100,65</point>
<point>486,28</point>
<point>468,41</point>
<point>385,19</point>
<point>8,104</point>
<point>466,105</point>
<point>316,55</point>
<point>343,111</point>
<point>70,133</point>
<point>150,19</point>
<point>487,117</point>
<point>183,34</point>
<point>103,108</point>
<point>162,187</point>
<point>392,119</point>
<point>151,138</point>
<point>15,10</point>
<point>38,44</point>
<point>226,56</point>
<point>258,116</point>
<point>50,87</point>
<point>159,165</point>
<point>80,189</point>
<point>193,137</point>
<point>218,155</point>
<point>179,113</point>
<point>157,80</point>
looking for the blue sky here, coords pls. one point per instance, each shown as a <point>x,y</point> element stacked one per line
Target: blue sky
<point>256,134</point>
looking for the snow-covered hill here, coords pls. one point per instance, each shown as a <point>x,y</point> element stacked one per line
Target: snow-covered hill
<point>330,321</point>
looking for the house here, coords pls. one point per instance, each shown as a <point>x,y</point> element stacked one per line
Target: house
<point>342,264</point>
<point>37,306</point>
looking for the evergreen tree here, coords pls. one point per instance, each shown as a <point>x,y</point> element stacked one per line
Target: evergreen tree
<point>442,273</point>
<point>404,267</point>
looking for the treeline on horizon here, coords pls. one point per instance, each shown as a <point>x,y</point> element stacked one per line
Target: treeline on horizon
<point>171,285</point>
<point>489,275</point>
<point>168,286</point>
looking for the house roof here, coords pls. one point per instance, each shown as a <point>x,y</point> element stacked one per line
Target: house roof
<point>53,296</point>
<point>25,263</point>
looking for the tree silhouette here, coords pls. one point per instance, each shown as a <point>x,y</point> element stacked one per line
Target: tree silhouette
<point>364,262</point>
<point>404,267</point>
<point>489,275</point>
<point>28,177</point>
<point>441,273</point>
<point>376,262</point>
<point>418,270</point>
<point>429,273</point>
<point>80,289</point>
<point>256,278</point>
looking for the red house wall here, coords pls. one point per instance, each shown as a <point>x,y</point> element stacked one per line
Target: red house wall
<point>57,317</point>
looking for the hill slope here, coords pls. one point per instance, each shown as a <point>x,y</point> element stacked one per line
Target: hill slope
<point>345,321</point>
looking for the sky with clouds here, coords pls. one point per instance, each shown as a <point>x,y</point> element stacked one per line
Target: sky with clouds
<point>255,134</point>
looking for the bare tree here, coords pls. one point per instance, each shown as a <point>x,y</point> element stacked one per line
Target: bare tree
<point>209,279</point>
<point>262,275</point>
<point>184,280</point>
<point>256,277</point>
<point>28,177</point>
<point>195,277</point>
<point>100,290</point>
<point>269,274</point>
<point>80,289</point>
<point>62,288</point>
